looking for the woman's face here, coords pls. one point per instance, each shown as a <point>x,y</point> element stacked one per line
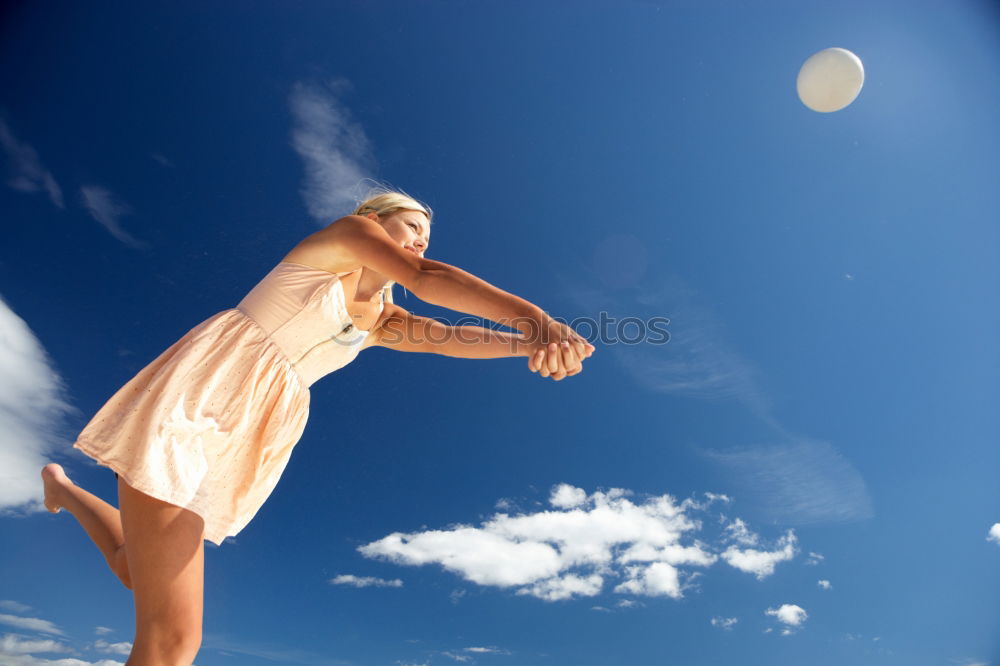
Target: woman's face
<point>409,228</point>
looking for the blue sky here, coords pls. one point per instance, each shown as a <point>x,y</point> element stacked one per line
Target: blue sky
<point>823,411</point>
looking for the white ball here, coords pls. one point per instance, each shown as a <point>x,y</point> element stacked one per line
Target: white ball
<point>830,80</point>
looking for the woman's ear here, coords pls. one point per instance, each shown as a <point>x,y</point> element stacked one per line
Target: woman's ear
<point>372,216</point>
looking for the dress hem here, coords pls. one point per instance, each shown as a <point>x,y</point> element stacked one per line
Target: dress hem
<point>210,532</point>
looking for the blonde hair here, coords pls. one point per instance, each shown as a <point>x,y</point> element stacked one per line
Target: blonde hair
<point>383,201</point>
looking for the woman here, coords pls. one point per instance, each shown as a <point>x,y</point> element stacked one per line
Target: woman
<point>200,436</point>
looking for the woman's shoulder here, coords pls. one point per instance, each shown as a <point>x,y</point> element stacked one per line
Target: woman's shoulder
<point>321,250</point>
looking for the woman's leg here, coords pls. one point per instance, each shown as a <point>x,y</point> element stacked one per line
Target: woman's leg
<point>166,560</point>
<point>100,520</point>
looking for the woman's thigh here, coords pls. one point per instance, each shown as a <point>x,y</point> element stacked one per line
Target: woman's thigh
<point>166,564</point>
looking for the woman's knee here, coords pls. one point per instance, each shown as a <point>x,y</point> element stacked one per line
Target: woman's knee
<point>168,644</point>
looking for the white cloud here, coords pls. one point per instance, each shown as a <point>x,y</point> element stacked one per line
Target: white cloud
<point>726,623</point>
<point>994,534</point>
<point>33,405</point>
<point>788,614</point>
<point>565,587</point>
<point>644,548</point>
<point>124,648</point>
<point>738,532</point>
<point>478,555</point>
<point>103,631</point>
<point>825,584</point>
<point>334,149</point>
<point>365,581</point>
<point>31,623</point>
<point>107,210</point>
<point>814,559</point>
<point>761,563</point>
<point>656,579</point>
<point>565,496</point>
<point>26,171</point>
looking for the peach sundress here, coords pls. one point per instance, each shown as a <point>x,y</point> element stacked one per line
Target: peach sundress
<point>210,424</point>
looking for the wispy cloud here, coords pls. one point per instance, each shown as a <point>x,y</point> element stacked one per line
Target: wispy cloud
<point>107,209</point>
<point>622,605</point>
<point>275,653</point>
<point>696,362</point>
<point>365,581</point>
<point>814,559</point>
<point>994,534</point>
<point>486,650</point>
<point>31,624</point>
<point>335,150</point>
<point>724,623</point>
<point>26,173</point>
<point>799,483</point>
<point>13,606</point>
<point>824,584</point>
<point>644,548</point>
<point>13,644</point>
<point>124,648</point>
<point>162,161</point>
<point>17,650</point>
<point>32,405</point>
<point>798,480</point>
<point>31,660</point>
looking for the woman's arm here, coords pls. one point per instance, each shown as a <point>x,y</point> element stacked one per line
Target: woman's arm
<point>403,331</point>
<point>360,240</point>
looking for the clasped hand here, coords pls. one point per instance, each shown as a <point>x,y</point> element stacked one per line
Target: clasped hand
<point>562,356</point>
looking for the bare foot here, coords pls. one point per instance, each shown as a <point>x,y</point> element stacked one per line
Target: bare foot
<point>55,480</point>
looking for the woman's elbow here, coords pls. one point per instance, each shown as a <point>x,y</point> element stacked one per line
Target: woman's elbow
<point>422,279</point>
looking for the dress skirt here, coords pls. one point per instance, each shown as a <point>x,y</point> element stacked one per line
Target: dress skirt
<point>209,425</point>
